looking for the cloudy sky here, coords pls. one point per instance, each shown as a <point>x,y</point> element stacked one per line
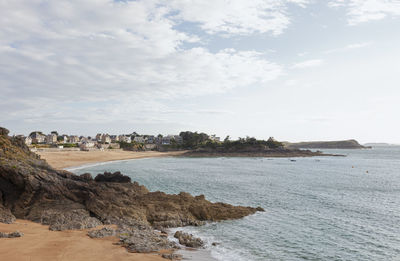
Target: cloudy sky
<point>292,69</point>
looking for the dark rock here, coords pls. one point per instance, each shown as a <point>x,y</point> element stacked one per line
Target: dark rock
<point>86,176</point>
<point>4,131</point>
<point>100,233</point>
<point>11,235</point>
<point>188,240</point>
<point>172,256</point>
<point>215,244</point>
<point>5,215</point>
<point>112,177</point>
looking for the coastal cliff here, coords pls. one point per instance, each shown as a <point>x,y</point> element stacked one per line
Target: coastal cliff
<point>31,189</point>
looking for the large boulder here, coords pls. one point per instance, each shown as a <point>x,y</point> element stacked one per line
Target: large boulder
<point>188,240</point>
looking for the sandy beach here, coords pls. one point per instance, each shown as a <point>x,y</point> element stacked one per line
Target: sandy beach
<point>66,159</point>
<point>41,244</point>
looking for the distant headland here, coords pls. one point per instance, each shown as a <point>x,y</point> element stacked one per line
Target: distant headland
<point>341,144</point>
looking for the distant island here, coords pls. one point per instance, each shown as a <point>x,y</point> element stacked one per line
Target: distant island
<point>379,144</point>
<point>341,144</point>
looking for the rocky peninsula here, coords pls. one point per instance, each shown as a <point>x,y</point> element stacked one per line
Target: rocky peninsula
<point>340,144</point>
<point>31,189</point>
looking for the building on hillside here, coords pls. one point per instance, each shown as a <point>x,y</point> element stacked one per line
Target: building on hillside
<point>114,138</point>
<point>178,139</point>
<point>73,139</point>
<point>124,138</point>
<point>98,137</point>
<point>51,139</point>
<point>88,145</point>
<point>63,138</point>
<point>105,139</point>
<point>151,139</point>
<point>171,139</point>
<point>214,138</point>
<point>37,137</point>
<point>28,140</point>
<point>139,139</point>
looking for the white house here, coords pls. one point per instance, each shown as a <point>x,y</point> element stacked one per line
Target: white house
<point>37,137</point>
<point>139,139</point>
<point>73,139</point>
<point>123,138</point>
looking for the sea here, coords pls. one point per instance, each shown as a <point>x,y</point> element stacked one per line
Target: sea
<point>318,208</point>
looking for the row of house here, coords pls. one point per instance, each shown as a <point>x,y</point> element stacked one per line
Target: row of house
<point>143,139</point>
<point>101,141</point>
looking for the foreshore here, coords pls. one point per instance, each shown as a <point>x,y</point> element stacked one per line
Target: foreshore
<point>40,244</point>
<point>68,159</point>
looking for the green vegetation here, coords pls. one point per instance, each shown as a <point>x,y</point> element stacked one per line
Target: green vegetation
<point>69,145</point>
<point>202,141</point>
<point>193,139</point>
<point>133,146</point>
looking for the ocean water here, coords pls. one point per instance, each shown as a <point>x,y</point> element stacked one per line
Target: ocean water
<point>324,208</point>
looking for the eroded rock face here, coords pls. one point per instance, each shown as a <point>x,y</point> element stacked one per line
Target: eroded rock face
<point>6,216</point>
<point>188,240</point>
<point>68,220</point>
<point>31,189</point>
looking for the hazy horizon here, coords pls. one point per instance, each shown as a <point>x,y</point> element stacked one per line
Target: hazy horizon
<point>297,70</point>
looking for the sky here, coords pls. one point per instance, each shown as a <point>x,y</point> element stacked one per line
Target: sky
<point>296,70</point>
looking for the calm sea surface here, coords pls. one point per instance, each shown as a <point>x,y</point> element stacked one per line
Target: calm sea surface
<point>325,208</point>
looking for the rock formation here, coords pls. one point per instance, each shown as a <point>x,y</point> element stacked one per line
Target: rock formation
<point>11,235</point>
<point>188,239</point>
<point>31,189</point>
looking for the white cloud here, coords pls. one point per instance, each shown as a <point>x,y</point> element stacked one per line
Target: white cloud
<point>111,60</point>
<point>237,16</point>
<point>307,64</point>
<point>350,47</point>
<point>360,11</point>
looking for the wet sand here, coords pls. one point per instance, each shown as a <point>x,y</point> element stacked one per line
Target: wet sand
<point>66,159</point>
<point>41,244</point>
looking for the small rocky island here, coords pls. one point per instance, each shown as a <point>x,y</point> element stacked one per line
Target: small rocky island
<point>31,189</point>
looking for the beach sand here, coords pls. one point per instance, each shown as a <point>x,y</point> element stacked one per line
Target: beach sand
<point>66,159</point>
<point>41,244</point>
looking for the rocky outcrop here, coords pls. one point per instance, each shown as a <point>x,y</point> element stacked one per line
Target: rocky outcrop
<point>31,189</point>
<point>112,177</point>
<point>188,240</point>
<point>6,216</point>
<point>172,256</point>
<point>11,235</point>
<point>104,232</point>
<point>143,240</point>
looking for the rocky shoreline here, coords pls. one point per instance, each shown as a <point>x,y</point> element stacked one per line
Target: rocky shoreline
<point>31,189</point>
